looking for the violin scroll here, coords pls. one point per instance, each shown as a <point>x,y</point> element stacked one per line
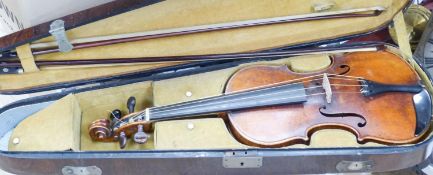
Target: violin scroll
<point>100,130</point>
<point>119,128</point>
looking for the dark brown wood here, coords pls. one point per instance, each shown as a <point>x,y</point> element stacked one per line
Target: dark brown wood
<point>72,21</point>
<point>390,117</point>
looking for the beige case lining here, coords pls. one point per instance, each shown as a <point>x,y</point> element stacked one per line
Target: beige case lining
<point>206,134</point>
<point>167,14</point>
<point>198,139</point>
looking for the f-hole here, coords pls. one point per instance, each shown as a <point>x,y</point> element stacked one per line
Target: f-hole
<point>360,124</point>
<point>343,69</point>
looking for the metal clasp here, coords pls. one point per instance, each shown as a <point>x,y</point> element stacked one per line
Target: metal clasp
<point>90,170</point>
<point>242,159</point>
<point>57,29</point>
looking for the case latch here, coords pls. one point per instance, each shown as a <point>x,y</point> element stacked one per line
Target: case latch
<point>242,159</point>
<point>57,29</point>
<point>355,166</point>
<point>90,170</point>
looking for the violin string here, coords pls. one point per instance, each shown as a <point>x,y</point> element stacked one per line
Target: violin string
<point>299,79</point>
<point>255,90</point>
<point>312,87</point>
<point>260,89</point>
<point>344,92</point>
<point>346,76</point>
<point>186,107</point>
<point>201,101</point>
<point>245,98</point>
<point>349,79</point>
<point>309,95</point>
<point>230,100</point>
<point>355,85</point>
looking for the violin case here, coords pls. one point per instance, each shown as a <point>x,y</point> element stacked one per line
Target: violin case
<point>47,132</point>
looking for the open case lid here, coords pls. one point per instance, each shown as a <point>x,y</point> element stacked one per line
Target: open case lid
<point>131,16</point>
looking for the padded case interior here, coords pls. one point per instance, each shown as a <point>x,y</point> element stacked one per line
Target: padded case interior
<point>77,110</point>
<point>207,133</point>
<point>184,13</point>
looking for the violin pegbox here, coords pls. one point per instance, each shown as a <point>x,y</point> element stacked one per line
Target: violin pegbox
<point>116,129</point>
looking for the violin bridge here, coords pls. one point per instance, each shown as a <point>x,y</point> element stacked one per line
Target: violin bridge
<point>326,85</point>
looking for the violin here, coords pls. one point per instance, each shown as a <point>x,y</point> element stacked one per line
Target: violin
<point>377,96</point>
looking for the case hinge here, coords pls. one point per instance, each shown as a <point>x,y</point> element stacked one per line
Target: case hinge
<point>57,29</point>
<point>90,170</point>
<point>242,159</point>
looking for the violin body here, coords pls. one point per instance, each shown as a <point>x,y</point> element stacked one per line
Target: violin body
<point>370,94</point>
<point>390,117</point>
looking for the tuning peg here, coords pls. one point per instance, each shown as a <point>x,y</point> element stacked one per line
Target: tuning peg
<point>131,104</point>
<point>115,115</point>
<point>122,140</point>
<point>140,136</point>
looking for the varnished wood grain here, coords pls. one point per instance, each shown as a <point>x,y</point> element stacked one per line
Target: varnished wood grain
<point>391,116</point>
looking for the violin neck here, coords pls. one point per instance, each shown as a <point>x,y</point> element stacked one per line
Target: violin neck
<point>270,96</point>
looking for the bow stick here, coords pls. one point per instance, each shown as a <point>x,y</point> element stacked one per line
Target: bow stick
<point>80,43</point>
<point>15,64</point>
